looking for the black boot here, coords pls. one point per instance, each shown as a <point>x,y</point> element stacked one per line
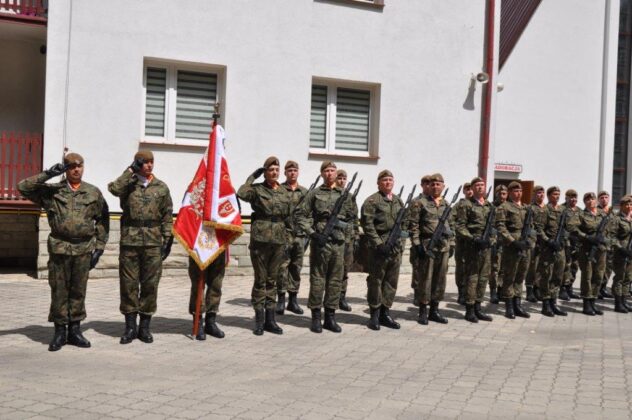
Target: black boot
<point>374,321</point>
<point>546,308</point>
<point>75,337</point>
<point>530,296</point>
<point>416,297</point>
<point>423,314</point>
<point>537,293</point>
<point>461,299</point>
<point>605,293</point>
<point>518,311</point>
<point>144,334</point>
<point>556,309</point>
<point>386,319</point>
<point>330,321</point>
<point>280,303</point>
<point>434,314</point>
<point>316,325</point>
<point>270,324</point>
<point>258,322</point>
<point>588,310</point>
<point>201,334</point>
<point>563,294</point>
<point>469,314</point>
<point>509,308</point>
<point>624,302</point>
<point>211,327</point>
<point>59,338</point>
<point>130,332</point>
<point>618,306</point>
<point>571,294</point>
<point>480,314</point>
<point>292,304</point>
<point>343,304</point>
<point>493,296</point>
<point>594,308</point>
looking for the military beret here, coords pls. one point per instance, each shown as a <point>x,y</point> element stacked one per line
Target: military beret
<point>467,185</point>
<point>500,188</point>
<point>436,177</point>
<point>73,159</point>
<point>291,164</point>
<point>552,189</point>
<point>603,193</point>
<point>538,188</point>
<point>384,174</point>
<point>589,195</point>
<point>476,180</point>
<point>425,179</point>
<point>144,155</point>
<point>514,185</point>
<point>571,193</point>
<point>341,172</point>
<point>272,160</point>
<point>327,164</point>
<point>626,199</point>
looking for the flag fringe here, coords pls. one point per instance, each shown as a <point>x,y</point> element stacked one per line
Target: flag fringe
<point>194,256</point>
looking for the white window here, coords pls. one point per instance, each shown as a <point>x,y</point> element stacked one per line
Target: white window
<point>344,118</point>
<point>179,102</point>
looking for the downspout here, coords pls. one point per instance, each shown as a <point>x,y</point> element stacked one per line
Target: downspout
<point>489,86</point>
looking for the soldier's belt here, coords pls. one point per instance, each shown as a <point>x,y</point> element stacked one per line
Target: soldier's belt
<point>71,240</point>
<point>274,219</point>
<point>142,223</point>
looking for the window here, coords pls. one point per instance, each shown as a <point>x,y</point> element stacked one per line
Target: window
<point>179,102</point>
<point>343,118</point>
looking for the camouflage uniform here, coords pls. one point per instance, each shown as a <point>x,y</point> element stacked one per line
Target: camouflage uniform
<point>460,245</point>
<point>352,233</point>
<point>551,263</point>
<point>533,276</point>
<point>145,227</point>
<point>413,258</point>
<point>290,270</point>
<point>610,252</point>
<point>592,272</point>
<point>571,251</point>
<point>622,260</point>
<point>213,278</point>
<point>496,275</point>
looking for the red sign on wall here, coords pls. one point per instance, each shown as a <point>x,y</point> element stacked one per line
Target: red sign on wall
<point>508,167</point>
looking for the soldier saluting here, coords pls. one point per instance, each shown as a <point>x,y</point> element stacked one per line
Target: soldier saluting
<point>79,221</point>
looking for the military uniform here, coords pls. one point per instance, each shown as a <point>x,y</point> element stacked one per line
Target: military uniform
<point>603,291</point>
<point>532,281</point>
<point>79,223</point>
<point>213,278</point>
<point>571,251</point>
<point>622,257</point>
<point>352,234</point>
<point>495,277</point>
<point>460,269</point>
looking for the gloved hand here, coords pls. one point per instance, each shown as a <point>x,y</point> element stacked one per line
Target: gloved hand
<point>520,244</point>
<point>94,259</point>
<point>166,248</point>
<point>318,238</point>
<point>480,243</point>
<point>256,174</point>
<point>137,165</point>
<point>56,169</point>
<point>383,249</point>
<point>420,250</point>
<point>451,251</point>
<point>555,246</point>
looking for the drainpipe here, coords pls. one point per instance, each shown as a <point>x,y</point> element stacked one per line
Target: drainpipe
<point>489,86</point>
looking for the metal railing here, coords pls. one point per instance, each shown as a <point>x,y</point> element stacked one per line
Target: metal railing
<point>20,157</point>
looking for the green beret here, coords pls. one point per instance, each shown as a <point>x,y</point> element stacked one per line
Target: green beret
<point>571,193</point>
<point>626,199</point>
<point>425,179</point>
<point>538,188</point>
<point>589,195</point>
<point>327,164</point>
<point>291,164</point>
<point>341,172</point>
<point>436,177</point>
<point>500,188</point>
<point>384,174</point>
<point>552,189</point>
<point>272,160</point>
<point>513,185</point>
<point>73,159</point>
<point>144,155</point>
<point>603,193</point>
<point>475,180</point>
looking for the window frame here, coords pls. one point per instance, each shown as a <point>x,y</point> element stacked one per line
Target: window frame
<point>330,127</point>
<point>171,95</point>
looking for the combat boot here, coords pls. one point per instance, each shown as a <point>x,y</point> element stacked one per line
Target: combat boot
<point>461,299</point>
<point>59,338</point>
<point>343,304</point>
<point>588,310</point>
<point>211,327</point>
<point>258,322</point>
<point>374,321</point>
<point>563,294</point>
<point>280,303</point>
<point>571,294</point>
<point>556,309</point>
<point>316,325</point>
<point>469,314</point>
<point>130,332</point>
<point>423,314</point>
<point>480,314</point>
<point>546,308</point>
<point>530,295</point>
<point>144,334</point>
<point>624,302</point>
<point>75,337</point>
<point>605,293</point>
<point>618,306</point>
<point>387,320</point>
<point>594,308</point>
<point>493,296</point>
<point>537,293</point>
<point>201,334</point>
<point>330,321</point>
<point>270,324</point>
<point>292,304</point>
<point>434,314</point>
<point>509,308</point>
<point>416,297</point>
<point>518,311</point>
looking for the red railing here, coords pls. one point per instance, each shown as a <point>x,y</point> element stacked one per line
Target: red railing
<point>24,8</point>
<point>20,157</point>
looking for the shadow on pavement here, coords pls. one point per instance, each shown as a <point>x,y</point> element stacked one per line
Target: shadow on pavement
<point>38,333</point>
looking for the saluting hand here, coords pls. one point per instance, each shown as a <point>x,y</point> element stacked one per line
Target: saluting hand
<point>56,169</point>
<point>256,174</point>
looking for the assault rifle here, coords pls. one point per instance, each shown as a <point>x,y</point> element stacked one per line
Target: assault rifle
<point>438,232</point>
<point>626,260</point>
<point>559,236</point>
<point>357,190</point>
<point>311,187</point>
<point>401,192</point>
<point>396,232</point>
<point>487,232</point>
<point>600,238</point>
<point>526,229</point>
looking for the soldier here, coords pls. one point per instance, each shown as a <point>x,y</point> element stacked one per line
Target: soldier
<point>471,222</point>
<point>79,221</point>
<point>592,252</point>
<point>213,278</point>
<point>510,219</point>
<point>552,253</point>
<point>413,258</point>
<point>603,199</point>
<point>460,275</point>
<point>622,239</point>
<point>539,216</point>
<point>290,272</point>
<point>379,214</point>
<point>572,247</point>
<point>351,236</point>
<point>270,204</point>
<point>495,278</point>
<point>146,240</point>
<point>424,219</point>
<point>327,252</point>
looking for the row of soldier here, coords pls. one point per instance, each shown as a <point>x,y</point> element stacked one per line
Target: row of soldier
<point>499,243</point>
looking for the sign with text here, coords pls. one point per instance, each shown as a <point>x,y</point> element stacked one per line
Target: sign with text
<point>508,167</point>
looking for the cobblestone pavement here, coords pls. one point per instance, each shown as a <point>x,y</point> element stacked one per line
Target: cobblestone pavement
<point>573,367</point>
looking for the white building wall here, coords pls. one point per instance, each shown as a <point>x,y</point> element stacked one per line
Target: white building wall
<point>549,116</point>
<point>421,54</point>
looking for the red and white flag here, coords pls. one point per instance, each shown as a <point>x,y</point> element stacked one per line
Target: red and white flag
<point>209,219</point>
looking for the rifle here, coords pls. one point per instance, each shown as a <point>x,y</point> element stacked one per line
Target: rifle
<point>401,192</point>
<point>487,232</point>
<point>446,192</point>
<point>600,238</point>
<point>526,229</point>
<point>357,190</point>
<point>626,260</point>
<point>333,221</point>
<point>311,187</point>
<point>561,228</point>
<point>489,191</point>
<point>396,232</point>
<point>438,232</point>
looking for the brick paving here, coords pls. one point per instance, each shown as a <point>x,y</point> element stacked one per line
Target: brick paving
<point>573,367</point>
